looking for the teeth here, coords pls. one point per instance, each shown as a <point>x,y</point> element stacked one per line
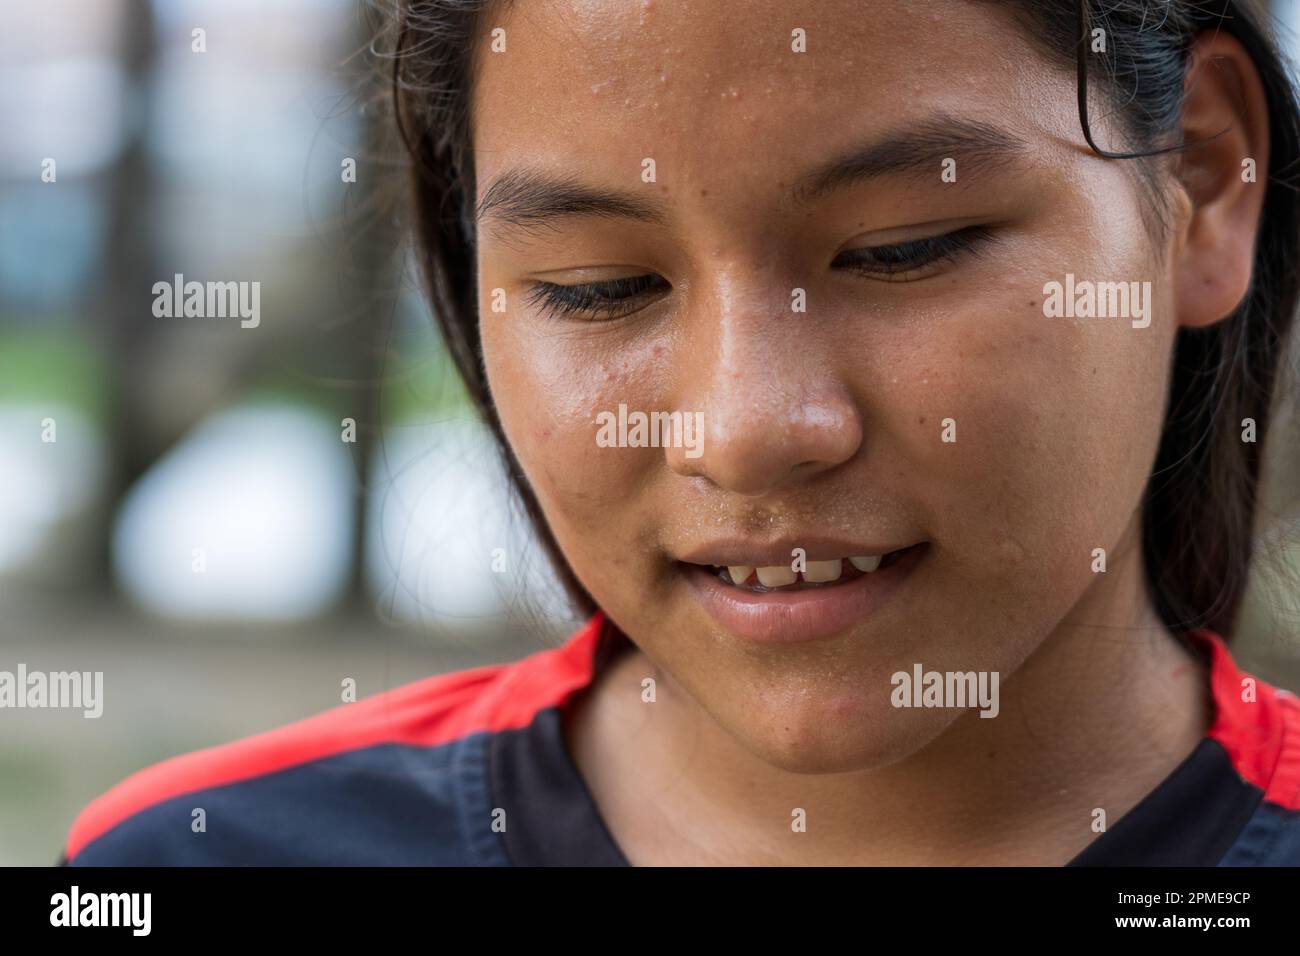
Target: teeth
<point>739,573</point>
<point>819,572</point>
<point>776,577</point>
<point>866,562</point>
<point>815,572</point>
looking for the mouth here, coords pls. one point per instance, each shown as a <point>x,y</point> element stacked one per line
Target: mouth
<point>815,574</point>
<point>826,596</point>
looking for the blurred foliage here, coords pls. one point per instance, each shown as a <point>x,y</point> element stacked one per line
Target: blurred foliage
<point>57,367</point>
<point>421,385</point>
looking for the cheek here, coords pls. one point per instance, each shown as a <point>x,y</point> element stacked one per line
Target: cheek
<point>548,391</point>
<point>1056,425</point>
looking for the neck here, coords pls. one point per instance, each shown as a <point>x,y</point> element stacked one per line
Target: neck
<point>1105,708</point>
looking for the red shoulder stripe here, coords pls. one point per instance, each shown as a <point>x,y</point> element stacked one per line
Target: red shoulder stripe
<point>429,712</point>
<point>1261,732</point>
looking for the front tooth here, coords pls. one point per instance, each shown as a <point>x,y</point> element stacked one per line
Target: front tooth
<point>739,573</point>
<point>866,562</point>
<point>776,577</point>
<point>819,572</point>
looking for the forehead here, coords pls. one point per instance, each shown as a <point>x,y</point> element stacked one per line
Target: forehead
<point>717,95</point>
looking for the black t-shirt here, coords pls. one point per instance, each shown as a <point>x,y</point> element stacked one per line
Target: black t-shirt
<point>471,768</point>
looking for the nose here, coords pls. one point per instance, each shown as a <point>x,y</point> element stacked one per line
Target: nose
<point>776,412</point>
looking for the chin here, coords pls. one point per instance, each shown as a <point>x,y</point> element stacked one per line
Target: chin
<point>834,733</point>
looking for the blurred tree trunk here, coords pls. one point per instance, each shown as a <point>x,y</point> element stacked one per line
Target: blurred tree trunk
<point>126,327</point>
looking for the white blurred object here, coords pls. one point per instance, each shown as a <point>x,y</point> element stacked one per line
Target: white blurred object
<point>249,518</point>
<point>440,518</point>
<point>71,110</point>
<point>45,487</point>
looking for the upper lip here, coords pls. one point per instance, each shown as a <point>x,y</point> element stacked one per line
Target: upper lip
<point>735,552</point>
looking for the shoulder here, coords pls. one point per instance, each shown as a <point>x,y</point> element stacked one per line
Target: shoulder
<point>392,779</point>
<point>1258,726</point>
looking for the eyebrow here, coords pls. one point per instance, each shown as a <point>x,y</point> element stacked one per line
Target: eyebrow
<point>919,150</point>
<point>525,199</point>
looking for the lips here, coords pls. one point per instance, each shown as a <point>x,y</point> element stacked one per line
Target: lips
<point>804,605</point>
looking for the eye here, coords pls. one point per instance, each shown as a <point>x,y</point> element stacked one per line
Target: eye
<point>900,262</point>
<point>610,299</point>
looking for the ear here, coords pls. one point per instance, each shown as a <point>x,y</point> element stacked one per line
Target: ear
<point>1225,113</point>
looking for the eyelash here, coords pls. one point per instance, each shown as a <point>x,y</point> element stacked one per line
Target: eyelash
<point>901,258</point>
<point>611,298</point>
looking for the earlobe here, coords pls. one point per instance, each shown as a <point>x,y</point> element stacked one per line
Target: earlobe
<point>1223,173</point>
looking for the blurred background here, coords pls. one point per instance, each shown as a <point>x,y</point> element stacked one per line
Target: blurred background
<point>229,522</point>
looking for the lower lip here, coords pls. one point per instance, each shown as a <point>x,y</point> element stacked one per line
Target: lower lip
<point>787,617</point>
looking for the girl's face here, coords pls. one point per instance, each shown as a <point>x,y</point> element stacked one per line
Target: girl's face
<point>862,391</point>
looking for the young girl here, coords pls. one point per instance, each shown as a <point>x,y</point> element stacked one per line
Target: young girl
<point>979,307</point>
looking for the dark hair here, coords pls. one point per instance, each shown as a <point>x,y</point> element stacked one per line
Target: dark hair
<point>1201,500</point>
